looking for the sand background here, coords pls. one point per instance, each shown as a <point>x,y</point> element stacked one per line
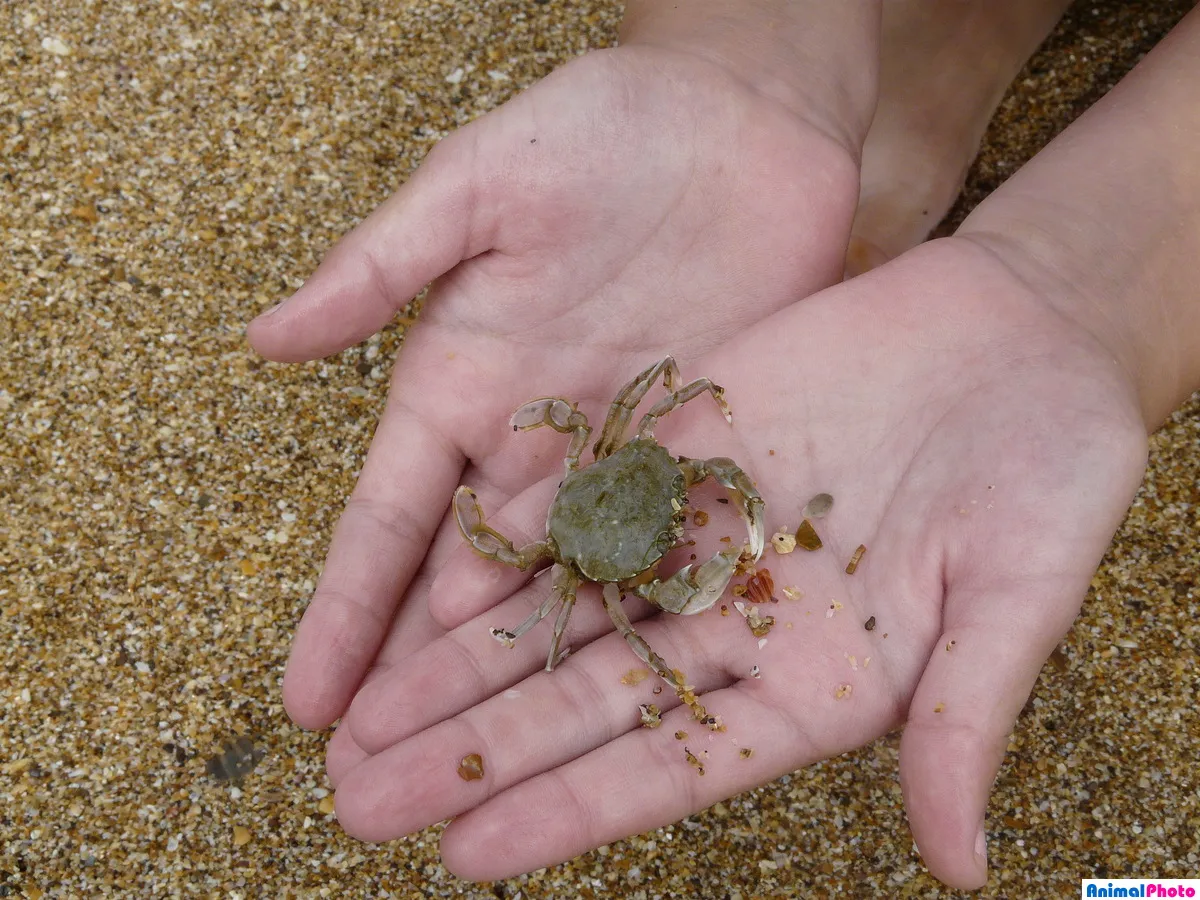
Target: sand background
<point>168,170</point>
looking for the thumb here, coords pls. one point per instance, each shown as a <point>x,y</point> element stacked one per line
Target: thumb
<point>976,681</point>
<point>421,232</point>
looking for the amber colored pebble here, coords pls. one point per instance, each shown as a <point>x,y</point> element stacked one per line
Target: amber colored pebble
<point>471,767</point>
<point>635,676</point>
<point>806,536</point>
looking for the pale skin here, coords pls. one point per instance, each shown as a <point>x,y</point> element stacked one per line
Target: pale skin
<point>1004,357</point>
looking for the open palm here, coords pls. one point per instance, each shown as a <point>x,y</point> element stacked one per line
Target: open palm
<point>629,205</point>
<point>984,452</point>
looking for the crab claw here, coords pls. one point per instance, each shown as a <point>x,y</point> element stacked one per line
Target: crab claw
<point>552,411</point>
<point>686,592</point>
<point>488,542</point>
<point>745,495</point>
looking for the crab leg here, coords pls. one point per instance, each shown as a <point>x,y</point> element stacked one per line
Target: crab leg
<point>562,416</point>
<point>488,542</point>
<point>627,400</point>
<point>565,583</point>
<point>563,590</point>
<point>745,496</point>
<point>689,391</point>
<point>612,603</point>
<point>686,592</point>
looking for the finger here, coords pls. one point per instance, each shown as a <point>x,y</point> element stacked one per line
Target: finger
<point>414,627</point>
<point>469,584</point>
<point>1015,570</point>
<point>547,720</point>
<point>468,666</point>
<point>342,755</point>
<point>412,630</point>
<point>422,231</point>
<point>639,781</point>
<point>977,679</point>
<point>380,540</point>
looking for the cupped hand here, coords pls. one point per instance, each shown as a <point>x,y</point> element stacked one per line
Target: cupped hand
<point>637,202</point>
<point>983,450</point>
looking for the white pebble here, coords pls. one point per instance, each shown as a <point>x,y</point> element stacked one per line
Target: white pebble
<point>56,46</point>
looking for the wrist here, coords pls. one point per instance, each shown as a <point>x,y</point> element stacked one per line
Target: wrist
<point>818,59</point>
<point>1104,224</point>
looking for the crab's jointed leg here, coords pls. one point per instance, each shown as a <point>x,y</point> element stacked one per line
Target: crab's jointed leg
<point>745,496</point>
<point>621,411</point>
<point>565,583</point>
<point>689,391</point>
<point>612,603</point>
<point>562,416</point>
<point>688,592</point>
<point>488,542</point>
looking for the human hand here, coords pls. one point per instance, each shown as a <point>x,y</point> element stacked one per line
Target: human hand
<point>637,202</point>
<point>981,446</point>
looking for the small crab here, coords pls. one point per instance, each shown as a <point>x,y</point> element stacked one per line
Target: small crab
<point>613,521</point>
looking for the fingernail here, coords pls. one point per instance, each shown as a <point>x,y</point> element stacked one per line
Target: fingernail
<point>981,846</point>
<point>274,309</point>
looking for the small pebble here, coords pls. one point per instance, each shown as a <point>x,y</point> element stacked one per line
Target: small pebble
<point>651,715</point>
<point>807,537</point>
<point>818,506</point>
<point>783,542</point>
<point>471,767</point>
<point>56,45</point>
<point>635,676</point>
